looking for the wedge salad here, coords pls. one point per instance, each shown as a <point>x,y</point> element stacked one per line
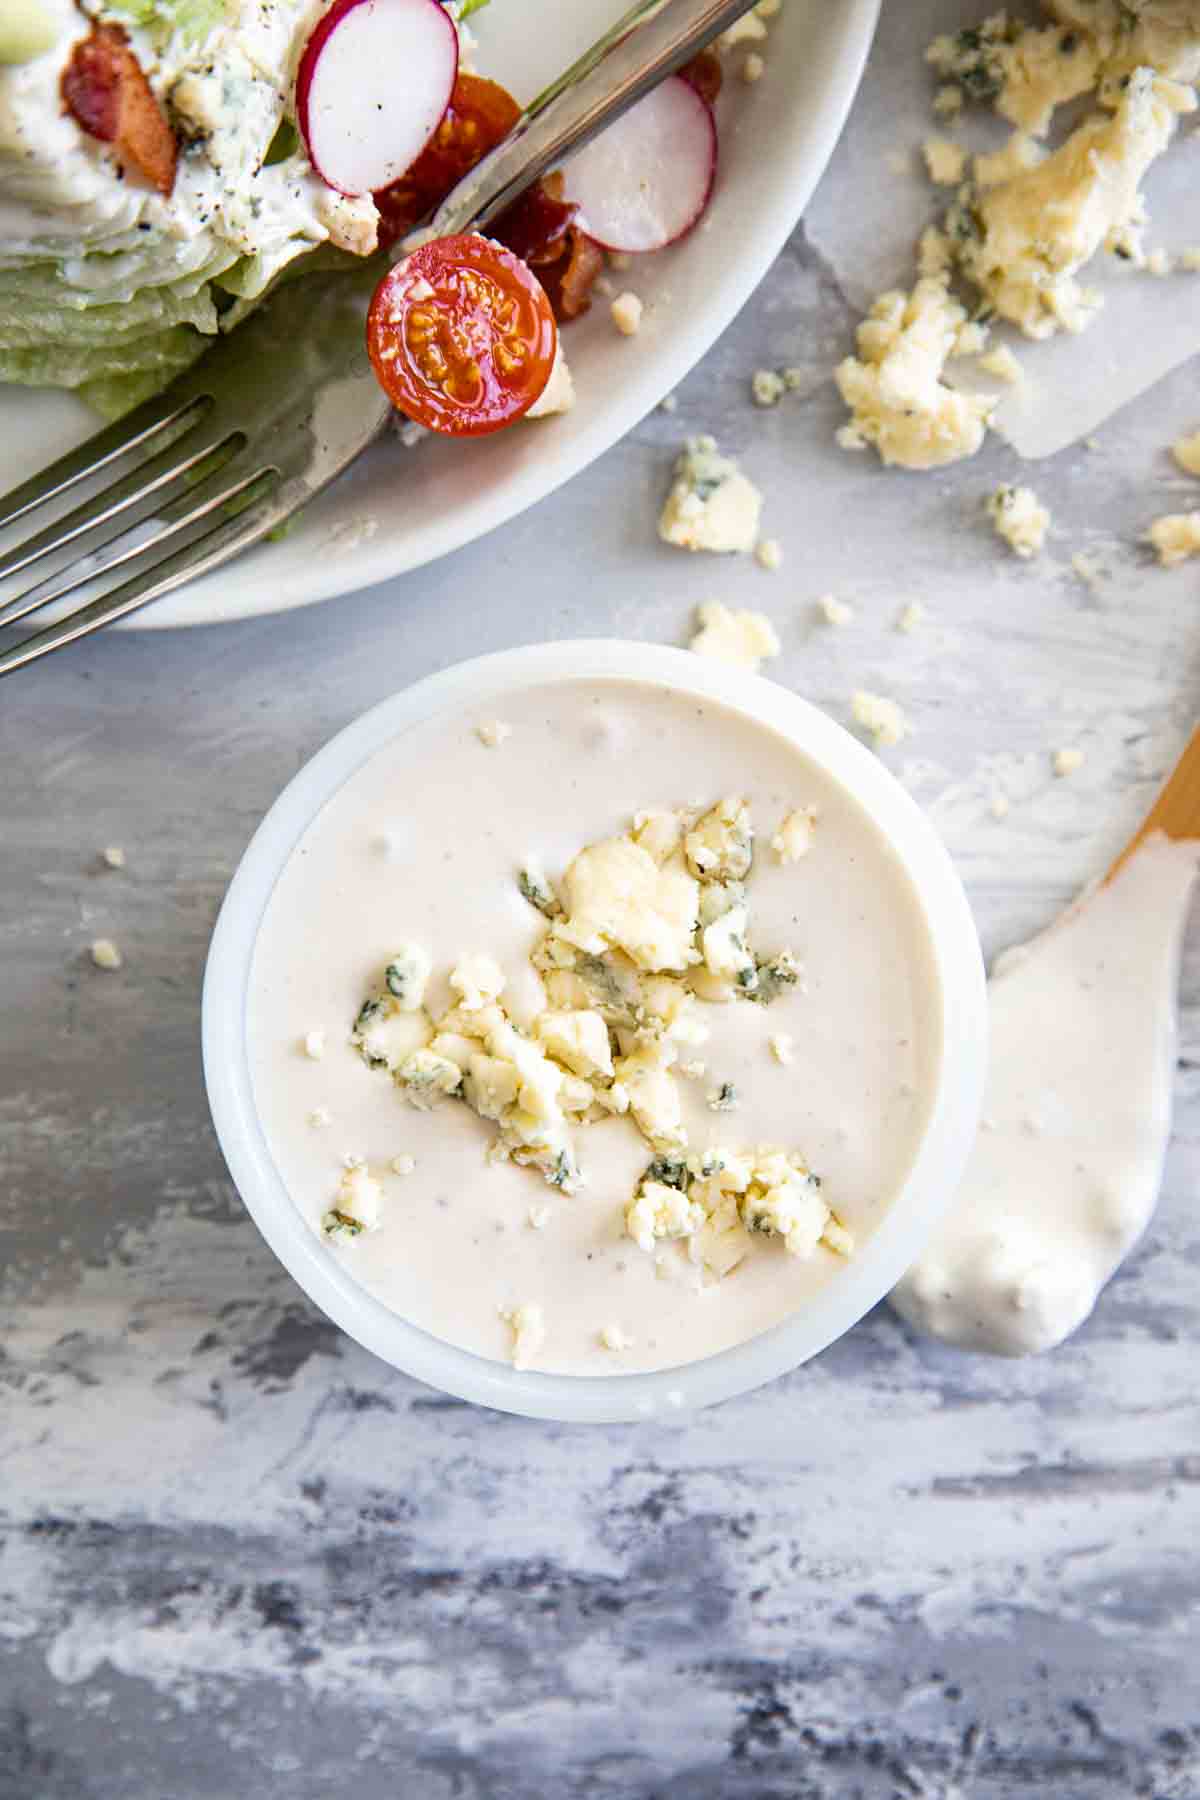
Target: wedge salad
<point>164,162</point>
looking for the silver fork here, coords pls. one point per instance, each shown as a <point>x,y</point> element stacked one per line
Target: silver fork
<point>277,409</point>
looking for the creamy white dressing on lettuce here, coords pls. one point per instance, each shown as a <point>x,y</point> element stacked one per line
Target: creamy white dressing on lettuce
<point>78,239</point>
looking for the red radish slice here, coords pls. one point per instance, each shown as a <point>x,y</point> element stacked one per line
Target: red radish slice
<point>374,80</point>
<point>646,180</point>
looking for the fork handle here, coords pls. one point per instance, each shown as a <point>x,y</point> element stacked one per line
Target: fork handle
<point>650,41</point>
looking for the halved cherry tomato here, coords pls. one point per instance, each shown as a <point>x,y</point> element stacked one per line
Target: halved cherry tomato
<point>461,336</point>
<point>480,113</point>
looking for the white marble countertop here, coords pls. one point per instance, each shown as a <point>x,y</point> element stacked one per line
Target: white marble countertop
<point>241,1557</point>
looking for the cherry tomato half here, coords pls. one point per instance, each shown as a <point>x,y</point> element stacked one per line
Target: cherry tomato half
<point>480,113</point>
<point>461,336</point>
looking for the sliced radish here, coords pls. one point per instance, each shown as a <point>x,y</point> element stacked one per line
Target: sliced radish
<point>646,180</point>
<point>374,80</point>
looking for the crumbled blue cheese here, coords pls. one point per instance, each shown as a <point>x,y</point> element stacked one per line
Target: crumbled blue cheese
<point>493,732</point>
<point>785,1201</point>
<point>749,29</point>
<point>618,898</point>
<point>834,611</point>
<point>356,1205</point>
<point>767,387</point>
<point>794,837</point>
<point>1001,363</point>
<point>426,1078</point>
<point>657,1212</point>
<point>1024,71</point>
<point>384,1035</point>
<point>1175,537</point>
<point>659,832</point>
<point>711,505</point>
<point>654,1100</point>
<point>726,953</point>
<point>720,847</point>
<point>895,390</point>
<point>719,1198</point>
<point>477,980</point>
<point>883,718</point>
<point>578,1040</point>
<point>407,975</point>
<point>1186,451</point>
<point>1019,154</point>
<point>911,618</point>
<point>626,314</point>
<point>1019,517</point>
<point>945,161</point>
<point>528,1326</point>
<point>744,639</point>
<point>651,924</point>
<point>1024,242</point>
<point>558,395</point>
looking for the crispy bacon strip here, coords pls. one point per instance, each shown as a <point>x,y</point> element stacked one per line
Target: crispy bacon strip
<point>106,92</point>
<point>568,282</point>
<point>704,74</point>
<point>539,227</point>
<point>535,226</point>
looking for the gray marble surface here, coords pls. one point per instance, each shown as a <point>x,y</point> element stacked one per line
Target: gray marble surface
<point>240,1557</point>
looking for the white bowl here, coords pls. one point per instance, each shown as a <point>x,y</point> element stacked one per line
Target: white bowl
<point>953,1115</point>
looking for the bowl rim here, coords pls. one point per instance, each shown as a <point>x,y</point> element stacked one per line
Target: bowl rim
<point>953,1114</point>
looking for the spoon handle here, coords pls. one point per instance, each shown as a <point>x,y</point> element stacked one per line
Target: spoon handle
<point>650,41</point>
<point>1176,812</point>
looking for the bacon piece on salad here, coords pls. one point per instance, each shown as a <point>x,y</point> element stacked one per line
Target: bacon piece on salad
<point>704,73</point>
<point>535,226</point>
<point>106,92</point>
<point>540,228</point>
<point>568,282</point>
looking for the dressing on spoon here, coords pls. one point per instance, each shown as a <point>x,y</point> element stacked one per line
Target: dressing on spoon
<point>1077,1116</point>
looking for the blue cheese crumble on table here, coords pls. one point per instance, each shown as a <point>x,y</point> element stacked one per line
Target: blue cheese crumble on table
<point>744,639</point>
<point>1175,537</point>
<point>1019,517</point>
<point>899,400</point>
<point>711,505</point>
<point>1186,451</point>
<point>884,719</point>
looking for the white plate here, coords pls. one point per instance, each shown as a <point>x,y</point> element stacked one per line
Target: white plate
<point>398,508</point>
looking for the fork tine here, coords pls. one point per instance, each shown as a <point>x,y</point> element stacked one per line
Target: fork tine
<point>174,523</point>
<point>138,429</point>
<point>124,500</point>
<point>224,540</point>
